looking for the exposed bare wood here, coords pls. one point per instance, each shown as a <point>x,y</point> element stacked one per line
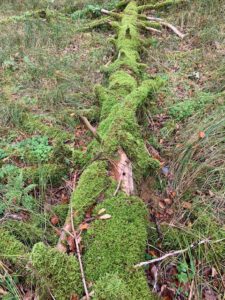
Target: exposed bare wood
<point>154,30</point>
<point>125,174</point>
<point>168,25</point>
<point>110,13</point>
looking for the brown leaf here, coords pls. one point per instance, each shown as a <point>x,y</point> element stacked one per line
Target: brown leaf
<point>161,204</point>
<point>54,220</point>
<point>105,217</point>
<point>168,201</point>
<point>3,292</point>
<point>214,272</point>
<point>71,243</point>
<point>211,194</point>
<point>187,205</point>
<point>170,212</point>
<point>84,226</point>
<point>201,134</point>
<point>209,294</point>
<point>64,199</point>
<point>74,297</point>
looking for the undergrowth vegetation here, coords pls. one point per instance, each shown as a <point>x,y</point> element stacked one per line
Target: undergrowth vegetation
<point>50,74</point>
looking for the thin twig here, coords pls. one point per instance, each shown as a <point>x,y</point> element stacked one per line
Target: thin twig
<point>91,128</point>
<point>174,253</point>
<point>79,255</point>
<point>168,25</point>
<point>111,13</point>
<point>191,290</point>
<point>67,227</point>
<point>153,30</point>
<point>118,187</point>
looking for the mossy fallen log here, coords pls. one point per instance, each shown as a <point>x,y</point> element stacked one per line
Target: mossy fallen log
<point>112,246</point>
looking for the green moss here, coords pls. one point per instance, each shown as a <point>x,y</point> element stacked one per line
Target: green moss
<point>115,245</point>
<point>11,249</point>
<point>118,287</point>
<point>110,243</point>
<point>128,41</point>
<point>122,83</point>
<point>92,184</point>
<point>120,128</point>
<point>80,158</point>
<point>161,5</point>
<point>57,271</point>
<point>25,232</point>
<point>111,286</point>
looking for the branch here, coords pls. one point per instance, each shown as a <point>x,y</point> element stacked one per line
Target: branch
<point>96,23</point>
<point>168,25</point>
<point>62,243</point>
<point>174,253</point>
<point>152,30</point>
<point>79,255</point>
<point>111,13</point>
<point>161,5</point>
<point>91,128</point>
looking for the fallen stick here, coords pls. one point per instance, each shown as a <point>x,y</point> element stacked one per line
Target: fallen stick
<point>168,25</point>
<point>79,255</point>
<point>91,128</point>
<point>111,13</point>
<point>174,253</point>
<point>62,243</point>
<point>153,30</point>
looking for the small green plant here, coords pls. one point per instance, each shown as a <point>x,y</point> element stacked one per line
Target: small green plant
<point>14,191</point>
<point>185,272</point>
<point>34,150</point>
<point>182,110</point>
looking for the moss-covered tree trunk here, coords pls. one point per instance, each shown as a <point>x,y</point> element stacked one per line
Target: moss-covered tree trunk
<point>112,246</point>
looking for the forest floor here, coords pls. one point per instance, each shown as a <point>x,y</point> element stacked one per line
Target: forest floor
<point>48,70</point>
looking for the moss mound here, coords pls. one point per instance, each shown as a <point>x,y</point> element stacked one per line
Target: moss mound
<point>11,249</point>
<point>114,246</point>
<point>59,272</point>
<point>117,287</point>
<point>92,183</point>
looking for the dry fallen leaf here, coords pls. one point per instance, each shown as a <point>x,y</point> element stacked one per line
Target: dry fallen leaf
<point>71,243</point>
<point>105,217</point>
<point>101,211</point>
<point>54,220</point>
<point>168,201</point>
<point>3,292</point>
<point>161,205</point>
<point>211,194</point>
<point>170,212</point>
<point>214,272</point>
<point>74,297</point>
<point>187,205</point>
<point>201,134</point>
<point>84,226</point>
